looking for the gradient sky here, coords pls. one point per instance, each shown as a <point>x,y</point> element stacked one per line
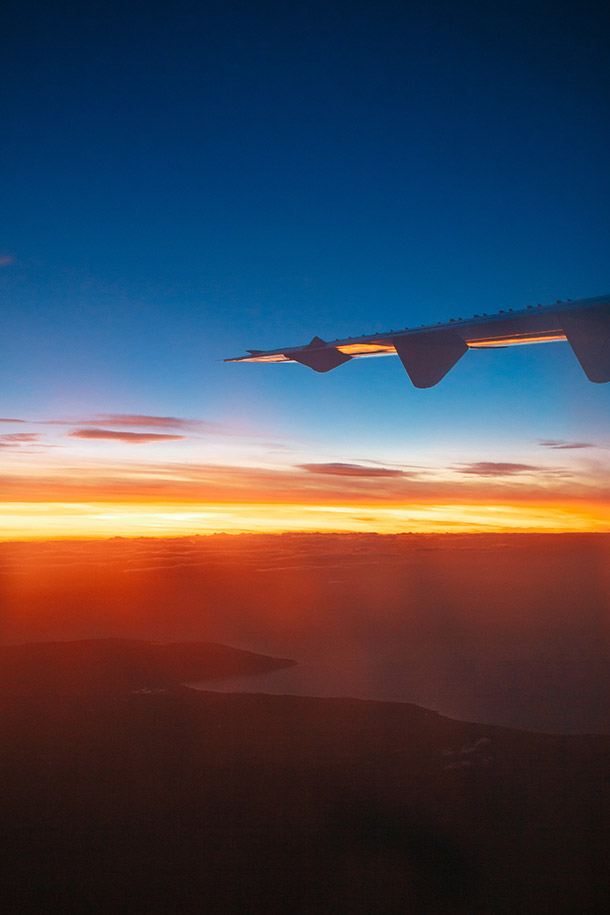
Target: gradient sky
<point>183,182</point>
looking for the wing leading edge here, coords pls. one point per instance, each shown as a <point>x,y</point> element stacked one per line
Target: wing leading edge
<point>428,353</point>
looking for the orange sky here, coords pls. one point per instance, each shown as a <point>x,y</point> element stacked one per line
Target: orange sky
<point>43,499</point>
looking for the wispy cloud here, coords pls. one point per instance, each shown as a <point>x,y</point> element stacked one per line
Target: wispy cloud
<point>4,420</point>
<point>196,427</point>
<point>20,437</point>
<point>352,470</point>
<point>6,260</point>
<point>277,448</point>
<point>17,439</point>
<point>144,420</point>
<point>497,468</point>
<point>137,438</point>
<point>561,445</point>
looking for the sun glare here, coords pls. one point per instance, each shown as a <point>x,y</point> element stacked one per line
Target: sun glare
<point>52,520</point>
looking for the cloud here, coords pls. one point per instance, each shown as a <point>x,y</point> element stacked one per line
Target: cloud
<point>561,445</point>
<point>352,470</point>
<point>277,448</point>
<point>19,438</point>
<point>144,420</point>
<point>497,468</point>
<point>6,260</point>
<point>137,438</point>
<point>3,420</point>
<point>198,427</point>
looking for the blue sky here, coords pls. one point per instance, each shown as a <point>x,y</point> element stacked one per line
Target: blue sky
<point>182,183</point>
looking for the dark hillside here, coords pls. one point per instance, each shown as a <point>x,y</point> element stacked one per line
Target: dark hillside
<point>161,799</point>
<point>113,664</point>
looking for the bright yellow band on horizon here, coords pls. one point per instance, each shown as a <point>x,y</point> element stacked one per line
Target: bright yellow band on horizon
<point>51,520</point>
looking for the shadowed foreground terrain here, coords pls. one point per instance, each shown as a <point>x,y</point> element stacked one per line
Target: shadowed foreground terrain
<point>123,791</point>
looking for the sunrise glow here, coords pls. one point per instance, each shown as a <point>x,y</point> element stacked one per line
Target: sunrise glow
<point>267,207</point>
<point>287,627</point>
<point>57,520</point>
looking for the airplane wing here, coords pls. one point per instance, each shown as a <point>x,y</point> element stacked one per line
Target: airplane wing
<point>429,352</point>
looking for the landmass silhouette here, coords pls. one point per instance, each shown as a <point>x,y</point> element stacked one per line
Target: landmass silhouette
<point>123,790</point>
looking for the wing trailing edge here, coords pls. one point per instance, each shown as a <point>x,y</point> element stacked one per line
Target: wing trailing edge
<point>429,352</point>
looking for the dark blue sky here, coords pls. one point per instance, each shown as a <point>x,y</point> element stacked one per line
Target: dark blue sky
<point>182,182</point>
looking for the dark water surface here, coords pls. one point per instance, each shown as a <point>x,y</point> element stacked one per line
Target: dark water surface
<point>517,634</point>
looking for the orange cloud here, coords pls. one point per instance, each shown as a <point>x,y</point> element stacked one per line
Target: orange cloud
<point>147,421</point>
<point>498,468</point>
<point>151,422</point>
<point>15,441</point>
<point>18,438</point>
<point>561,445</point>
<point>353,470</point>
<point>132,437</point>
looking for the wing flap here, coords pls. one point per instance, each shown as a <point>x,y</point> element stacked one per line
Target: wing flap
<point>428,357</point>
<point>319,356</point>
<point>588,333</point>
